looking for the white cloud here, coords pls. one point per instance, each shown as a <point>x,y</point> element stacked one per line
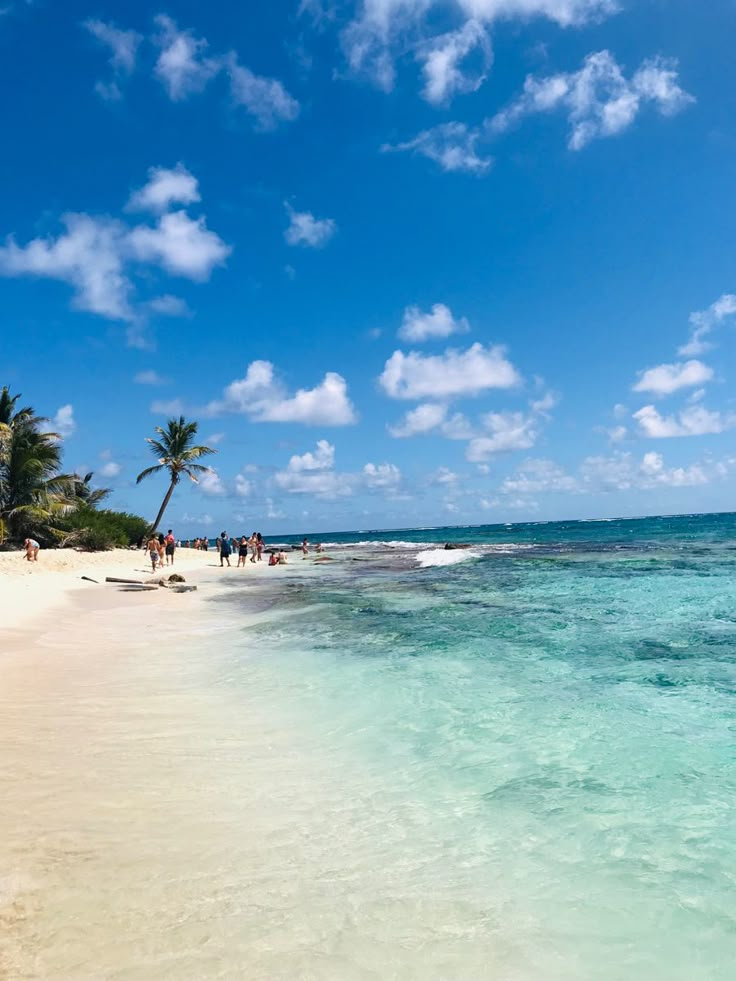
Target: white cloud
<point>539,476</point>
<point>169,306</point>
<point>423,419</point>
<point>695,420</point>
<point>214,439</point>
<point>264,98</point>
<point>323,458</point>
<point>63,422</point>
<point>383,29</point>
<point>95,256</point>
<point>123,47</point>
<point>382,475</point>
<point>453,146</point>
<point>599,100</point>
<point>168,407</point>
<point>150,377</point>
<point>243,486</point>
<point>622,472</point>
<point>444,475</point>
<point>165,187</point>
<point>182,65</point>
<point>668,378</point>
<point>210,483</point>
<point>305,229</point>
<point>505,431</point>
<point>454,373</point>
<point>703,322</point>
<point>88,255</point>
<point>617,434</point>
<point>313,473</point>
<point>263,397</point>
<point>184,246</point>
<point>439,322</point>
<point>110,469</point>
<point>443,59</point>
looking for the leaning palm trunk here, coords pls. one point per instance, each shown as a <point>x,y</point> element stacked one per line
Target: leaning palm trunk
<point>164,505</point>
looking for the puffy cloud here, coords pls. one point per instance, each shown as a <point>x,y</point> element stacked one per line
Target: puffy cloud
<point>264,98</point>
<point>538,476</point>
<point>305,229</point>
<point>382,475</point>
<point>444,476</point>
<point>164,188</point>
<point>182,65</point>
<point>210,483</point>
<point>505,431</point>
<point>668,378</point>
<point>263,397</point>
<point>703,322</point>
<point>439,322</point>
<point>695,420</point>
<point>323,458</point>
<point>243,486</point>
<point>423,419</point>
<point>168,305</point>
<point>443,59</point>
<point>110,469</point>
<point>184,246</point>
<point>89,256</point>
<point>94,255</point>
<point>313,473</point>
<point>599,100</point>
<point>63,422</point>
<point>622,472</point>
<point>454,373</point>
<point>453,146</point>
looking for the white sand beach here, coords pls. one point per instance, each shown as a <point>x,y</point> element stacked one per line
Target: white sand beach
<point>29,590</point>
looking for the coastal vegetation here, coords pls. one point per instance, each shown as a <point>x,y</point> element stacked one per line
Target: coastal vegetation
<point>177,454</point>
<point>39,500</point>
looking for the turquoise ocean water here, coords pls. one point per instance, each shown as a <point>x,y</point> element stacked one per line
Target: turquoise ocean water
<point>518,760</point>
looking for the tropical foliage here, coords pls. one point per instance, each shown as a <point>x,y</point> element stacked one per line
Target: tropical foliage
<point>93,530</point>
<point>177,454</point>
<point>34,494</point>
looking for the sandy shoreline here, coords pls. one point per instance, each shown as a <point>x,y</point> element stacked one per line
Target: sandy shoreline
<point>29,591</point>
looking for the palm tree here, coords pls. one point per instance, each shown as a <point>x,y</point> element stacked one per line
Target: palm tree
<point>174,451</point>
<point>86,495</point>
<point>34,494</point>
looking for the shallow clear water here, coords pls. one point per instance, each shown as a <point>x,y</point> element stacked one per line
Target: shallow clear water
<point>519,766</point>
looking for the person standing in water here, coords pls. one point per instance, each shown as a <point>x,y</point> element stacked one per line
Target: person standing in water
<point>224,544</point>
<point>305,547</point>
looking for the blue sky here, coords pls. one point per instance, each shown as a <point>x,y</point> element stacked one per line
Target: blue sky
<point>406,261</point>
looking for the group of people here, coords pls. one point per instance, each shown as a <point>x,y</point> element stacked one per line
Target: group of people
<point>161,549</point>
<point>245,547</point>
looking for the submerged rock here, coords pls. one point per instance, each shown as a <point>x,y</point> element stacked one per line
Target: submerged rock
<point>451,546</point>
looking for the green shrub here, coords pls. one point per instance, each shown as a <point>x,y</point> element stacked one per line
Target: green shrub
<point>97,531</point>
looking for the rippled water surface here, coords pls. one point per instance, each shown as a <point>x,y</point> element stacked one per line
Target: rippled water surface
<point>517,766</point>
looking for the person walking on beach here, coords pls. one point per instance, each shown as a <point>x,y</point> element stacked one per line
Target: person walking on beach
<point>242,551</point>
<point>152,548</point>
<point>224,544</point>
<point>31,546</point>
<point>170,542</point>
<point>260,545</point>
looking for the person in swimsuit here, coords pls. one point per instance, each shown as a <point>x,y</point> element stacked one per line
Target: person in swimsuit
<point>260,545</point>
<point>305,547</point>
<point>31,546</point>
<point>242,551</point>
<point>225,550</point>
<point>170,543</point>
<point>152,548</point>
